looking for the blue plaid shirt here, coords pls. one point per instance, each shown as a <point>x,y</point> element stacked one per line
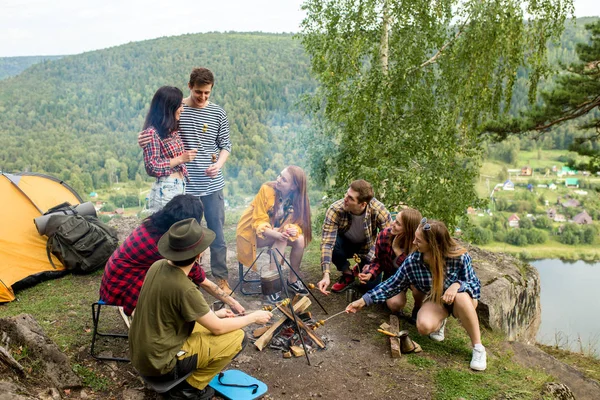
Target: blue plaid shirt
<point>414,271</point>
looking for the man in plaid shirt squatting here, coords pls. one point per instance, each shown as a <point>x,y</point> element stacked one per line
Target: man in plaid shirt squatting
<point>351,226</point>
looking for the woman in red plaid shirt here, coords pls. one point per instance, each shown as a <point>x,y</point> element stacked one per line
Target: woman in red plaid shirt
<point>165,156</point>
<point>393,245</point>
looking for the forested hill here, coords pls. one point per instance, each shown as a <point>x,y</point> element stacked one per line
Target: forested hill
<point>11,66</point>
<point>78,117</point>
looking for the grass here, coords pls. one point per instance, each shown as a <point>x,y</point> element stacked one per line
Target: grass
<point>551,249</point>
<point>589,366</point>
<point>62,307</point>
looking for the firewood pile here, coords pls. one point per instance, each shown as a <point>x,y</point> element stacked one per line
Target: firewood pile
<point>283,335</point>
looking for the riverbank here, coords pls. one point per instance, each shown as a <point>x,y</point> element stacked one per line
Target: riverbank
<point>550,249</point>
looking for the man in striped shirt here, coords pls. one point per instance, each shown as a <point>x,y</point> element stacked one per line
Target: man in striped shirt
<point>203,126</point>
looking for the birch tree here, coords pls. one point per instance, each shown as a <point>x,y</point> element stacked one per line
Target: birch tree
<point>406,85</point>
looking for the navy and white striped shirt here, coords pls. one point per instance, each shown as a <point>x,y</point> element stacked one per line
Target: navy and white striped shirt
<point>205,129</point>
<point>414,271</point>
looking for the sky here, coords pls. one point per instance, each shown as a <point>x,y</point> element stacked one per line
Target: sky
<point>61,27</point>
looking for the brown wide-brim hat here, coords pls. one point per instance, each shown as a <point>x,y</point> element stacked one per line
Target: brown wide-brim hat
<point>184,240</point>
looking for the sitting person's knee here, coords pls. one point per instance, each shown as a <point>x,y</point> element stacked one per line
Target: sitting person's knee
<point>426,326</point>
<point>299,242</point>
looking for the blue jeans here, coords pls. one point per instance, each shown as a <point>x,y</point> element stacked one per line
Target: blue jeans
<point>214,213</point>
<point>345,249</point>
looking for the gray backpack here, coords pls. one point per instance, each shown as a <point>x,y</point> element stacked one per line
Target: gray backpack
<point>83,244</point>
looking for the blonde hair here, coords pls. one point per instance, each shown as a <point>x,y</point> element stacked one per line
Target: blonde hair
<point>441,246</point>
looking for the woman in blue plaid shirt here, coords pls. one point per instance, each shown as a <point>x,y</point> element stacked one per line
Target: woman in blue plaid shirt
<point>442,269</point>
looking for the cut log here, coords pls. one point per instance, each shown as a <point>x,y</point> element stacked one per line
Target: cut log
<point>266,337</point>
<point>394,341</point>
<point>302,325</point>
<point>8,359</point>
<point>260,331</point>
<point>297,351</point>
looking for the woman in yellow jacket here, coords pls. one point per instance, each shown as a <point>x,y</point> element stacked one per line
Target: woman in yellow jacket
<point>279,216</point>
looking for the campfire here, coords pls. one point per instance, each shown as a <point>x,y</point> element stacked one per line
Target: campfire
<point>283,334</point>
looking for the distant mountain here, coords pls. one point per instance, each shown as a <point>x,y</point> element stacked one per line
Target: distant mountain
<point>78,117</point>
<point>11,66</point>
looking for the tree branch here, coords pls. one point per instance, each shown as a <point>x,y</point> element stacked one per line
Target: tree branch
<point>579,111</point>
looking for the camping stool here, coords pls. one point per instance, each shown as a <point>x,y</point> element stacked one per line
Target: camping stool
<point>96,308</point>
<point>163,387</point>
<point>242,275</point>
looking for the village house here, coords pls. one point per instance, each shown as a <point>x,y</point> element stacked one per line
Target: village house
<point>551,213</point>
<point>508,185</point>
<point>572,182</point>
<point>526,171</point>
<point>583,218</point>
<point>513,221</point>
<point>571,203</point>
<point>560,218</point>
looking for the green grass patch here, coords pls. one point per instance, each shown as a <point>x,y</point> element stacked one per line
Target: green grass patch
<point>551,249</point>
<point>91,378</point>
<point>421,361</point>
<point>588,365</point>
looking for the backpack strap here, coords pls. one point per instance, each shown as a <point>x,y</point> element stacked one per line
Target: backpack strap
<point>48,253</point>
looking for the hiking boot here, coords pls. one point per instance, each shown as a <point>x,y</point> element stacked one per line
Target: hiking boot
<point>274,298</point>
<point>185,391</point>
<point>224,285</point>
<point>299,288</point>
<point>342,284</point>
<point>478,361</point>
<point>438,335</point>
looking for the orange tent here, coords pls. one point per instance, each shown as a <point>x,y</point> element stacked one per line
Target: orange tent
<point>23,258</point>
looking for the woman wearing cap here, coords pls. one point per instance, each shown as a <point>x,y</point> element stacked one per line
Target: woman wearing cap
<point>164,155</point>
<point>279,216</point>
<point>441,269</point>
<point>127,267</point>
<point>174,332</point>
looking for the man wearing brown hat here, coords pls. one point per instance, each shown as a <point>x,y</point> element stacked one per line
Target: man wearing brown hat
<point>174,331</point>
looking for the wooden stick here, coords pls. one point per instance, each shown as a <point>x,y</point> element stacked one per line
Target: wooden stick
<point>334,315</point>
<point>302,325</point>
<point>395,341</point>
<point>266,337</point>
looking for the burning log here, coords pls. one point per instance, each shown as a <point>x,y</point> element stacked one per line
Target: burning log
<point>264,340</point>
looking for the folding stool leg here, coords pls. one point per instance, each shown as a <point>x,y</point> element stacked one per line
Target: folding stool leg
<point>96,308</point>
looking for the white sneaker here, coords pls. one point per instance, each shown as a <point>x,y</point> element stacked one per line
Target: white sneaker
<point>478,361</point>
<point>438,335</point>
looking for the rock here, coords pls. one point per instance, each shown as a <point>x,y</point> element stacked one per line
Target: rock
<point>510,294</point>
<point>582,387</point>
<point>49,394</point>
<point>83,395</point>
<point>25,331</point>
<point>132,394</point>
<point>10,390</point>
<point>557,391</point>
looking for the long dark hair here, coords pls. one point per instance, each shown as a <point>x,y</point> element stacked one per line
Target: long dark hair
<point>161,116</point>
<point>182,206</point>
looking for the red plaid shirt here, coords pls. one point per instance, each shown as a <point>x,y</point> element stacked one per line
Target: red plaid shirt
<point>385,259</point>
<point>159,152</point>
<point>126,269</point>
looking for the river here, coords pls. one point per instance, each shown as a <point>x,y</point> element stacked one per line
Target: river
<point>570,305</point>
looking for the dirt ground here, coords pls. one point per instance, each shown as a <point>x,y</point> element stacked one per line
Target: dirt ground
<point>355,364</point>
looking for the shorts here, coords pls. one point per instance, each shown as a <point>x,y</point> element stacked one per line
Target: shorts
<point>163,190</point>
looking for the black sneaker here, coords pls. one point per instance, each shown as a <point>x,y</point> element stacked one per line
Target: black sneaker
<point>274,298</point>
<point>343,283</point>
<point>299,288</point>
<point>185,391</point>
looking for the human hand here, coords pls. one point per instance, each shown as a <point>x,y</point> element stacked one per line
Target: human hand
<point>450,293</point>
<point>212,171</point>
<point>236,307</point>
<point>364,278</point>
<point>188,155</point>
<point>324,284</point>
<point>261,317</point>
<point>291,231</point>
<point>144,139</point>
<point>224,313</point>
<point>355,306</point>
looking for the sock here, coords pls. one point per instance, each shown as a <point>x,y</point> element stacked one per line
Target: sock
<point>479,347</point>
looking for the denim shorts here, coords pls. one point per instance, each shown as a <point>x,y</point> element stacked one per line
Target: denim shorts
<point>163,190</point>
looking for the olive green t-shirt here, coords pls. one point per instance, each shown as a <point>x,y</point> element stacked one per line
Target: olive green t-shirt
<point>166,311</point>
